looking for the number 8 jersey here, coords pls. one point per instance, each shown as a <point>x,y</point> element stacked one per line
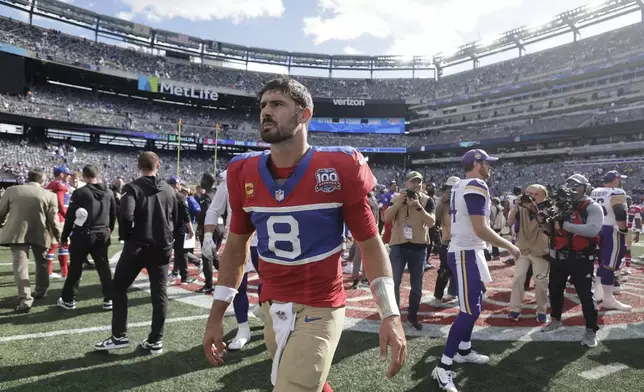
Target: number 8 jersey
<point>299,216</point>
<point>463,236</point>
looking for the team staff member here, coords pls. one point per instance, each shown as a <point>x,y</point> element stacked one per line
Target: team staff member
<point>92,215</point>
<point>533,243</point>
<point>180,231</point>
<point>572,254</point>
<point>411,215</point>
<point>208,257</point>
<point>31,214</point>
<point>148,218</point>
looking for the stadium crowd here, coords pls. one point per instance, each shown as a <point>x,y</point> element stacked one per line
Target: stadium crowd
<point>610,46</point>
<point>100,109</point>
<point>19,157</point>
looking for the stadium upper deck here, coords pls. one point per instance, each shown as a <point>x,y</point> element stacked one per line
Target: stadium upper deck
<point>609,46</point>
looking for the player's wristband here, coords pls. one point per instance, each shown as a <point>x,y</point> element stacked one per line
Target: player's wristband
<point>223,293</point>
<point>207,236</point>
<point>383,292</point>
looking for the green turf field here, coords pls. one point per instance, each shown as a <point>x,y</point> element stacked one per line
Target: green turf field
<point>66,361</point>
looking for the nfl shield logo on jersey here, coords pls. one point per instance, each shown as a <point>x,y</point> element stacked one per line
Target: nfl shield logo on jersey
<point>327,180</point>
<point>279,195</point>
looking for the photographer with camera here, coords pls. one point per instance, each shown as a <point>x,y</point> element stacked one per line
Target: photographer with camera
<point>411,217</point>
<point>533,243</point>
<point>573,225</point>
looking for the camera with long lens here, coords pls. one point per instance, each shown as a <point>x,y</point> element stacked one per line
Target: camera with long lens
<point>557,208</point>
<point>526,199</point>
<point>411,195</point>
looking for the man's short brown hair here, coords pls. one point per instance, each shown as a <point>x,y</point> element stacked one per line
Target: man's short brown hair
<point>36,175</point>
<point>90,171</point>
<point>148,161</point>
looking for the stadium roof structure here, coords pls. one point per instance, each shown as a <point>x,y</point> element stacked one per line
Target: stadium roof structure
<point>571,21</point>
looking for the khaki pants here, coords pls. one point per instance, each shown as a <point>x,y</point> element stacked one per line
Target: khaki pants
<point>21,272</point>
<point>540,269</point>
<point>308,354</point>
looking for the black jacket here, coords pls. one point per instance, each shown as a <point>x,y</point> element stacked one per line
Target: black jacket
<point>100,204</point>
<point>184,217</point>
<point>148,212</point>
<point>204,204</point>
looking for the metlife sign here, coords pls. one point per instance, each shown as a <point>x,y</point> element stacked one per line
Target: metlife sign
<point>348,102</point>
<point>154,85</point>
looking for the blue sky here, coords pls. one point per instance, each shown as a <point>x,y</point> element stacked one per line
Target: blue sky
<point>402,27</point>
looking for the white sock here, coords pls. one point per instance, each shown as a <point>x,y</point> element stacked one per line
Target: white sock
<point>243,327</point>
<point>465,345</point>
<point>447,360</point>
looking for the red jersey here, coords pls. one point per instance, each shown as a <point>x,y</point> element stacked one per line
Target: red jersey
<point>633,211</point>
<point>60,189</point>
<point>300,221</point>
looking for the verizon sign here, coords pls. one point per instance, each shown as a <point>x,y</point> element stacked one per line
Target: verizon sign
<point>348,102</point>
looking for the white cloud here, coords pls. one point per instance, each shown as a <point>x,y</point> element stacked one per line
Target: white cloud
<point>237,11</point>
<point>351,50</point>
<point>125,15</point>
<point>417,27</point>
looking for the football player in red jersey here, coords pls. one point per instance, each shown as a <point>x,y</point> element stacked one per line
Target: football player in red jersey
<point>59,187</point>
<point>297,198</point>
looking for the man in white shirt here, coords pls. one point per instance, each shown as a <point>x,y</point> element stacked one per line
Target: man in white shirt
<point>220,204</point>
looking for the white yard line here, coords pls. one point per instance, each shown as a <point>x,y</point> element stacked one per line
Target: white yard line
<point>76,331</point>
<point>603,371</point>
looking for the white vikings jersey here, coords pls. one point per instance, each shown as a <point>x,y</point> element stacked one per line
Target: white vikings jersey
<point>604,197</point>
<point>253,240</point>
<point>512,201</point>
<point>462,231</point>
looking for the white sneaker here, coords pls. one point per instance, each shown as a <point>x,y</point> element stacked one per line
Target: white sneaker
<point>240,340</point>
<point>444,379</point>
<point>472,357</point>
<point>436,303</point>
<point>599,289</point>
<point>448,299</point>
<point>230,311</point>
<point>55,275</point>
<point>611,303</point>
<point>258,312</point>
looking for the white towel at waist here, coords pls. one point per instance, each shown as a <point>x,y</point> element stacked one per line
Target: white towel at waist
<point>481,263</point>
<point>283,323</point>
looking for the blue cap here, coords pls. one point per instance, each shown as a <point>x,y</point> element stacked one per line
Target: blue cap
<point>612,175</point>
<point>62,169</point>
<point>477,155</point>
<point>175,180</point>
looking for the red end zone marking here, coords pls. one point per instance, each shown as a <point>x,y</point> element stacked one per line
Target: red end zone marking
<point>495,306</point>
